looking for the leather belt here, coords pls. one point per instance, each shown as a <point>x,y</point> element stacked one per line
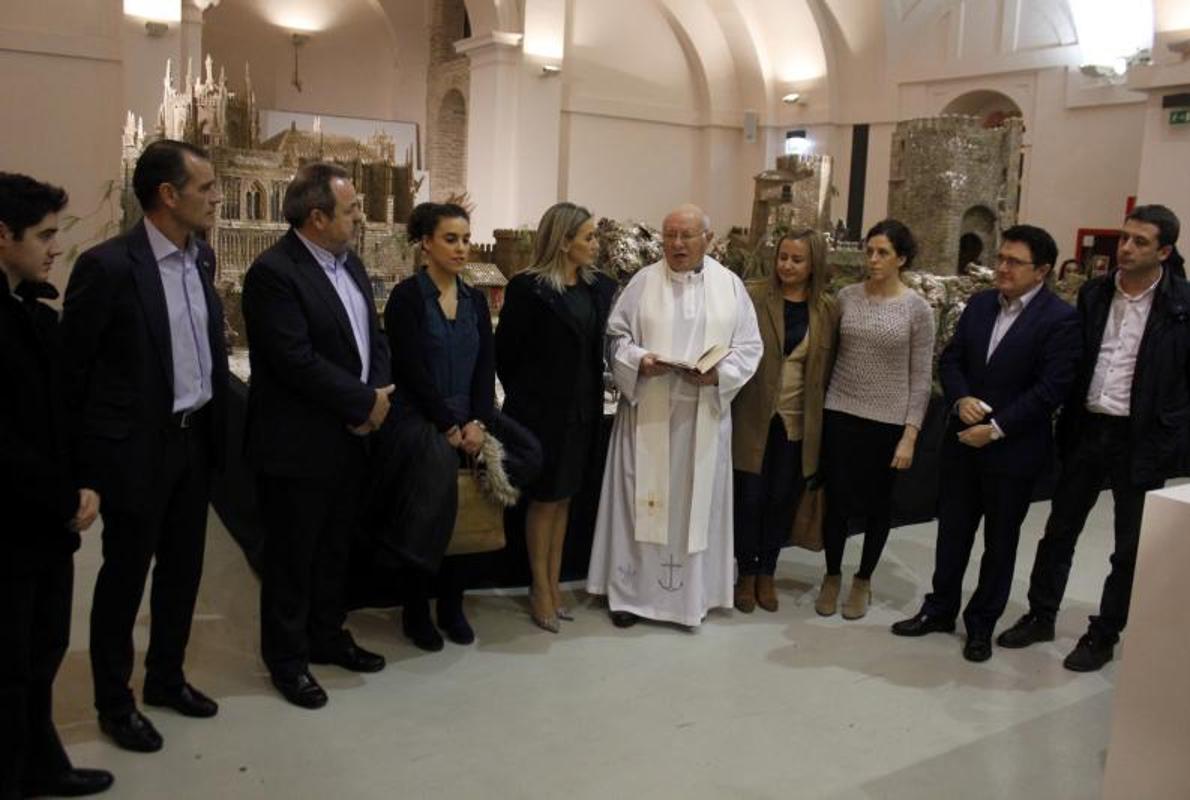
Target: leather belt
<point>183,420</point>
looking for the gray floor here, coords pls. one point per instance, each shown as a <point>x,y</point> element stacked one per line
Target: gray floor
<point>750,706</point>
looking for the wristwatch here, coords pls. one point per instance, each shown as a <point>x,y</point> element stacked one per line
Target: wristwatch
<point>996,433</point>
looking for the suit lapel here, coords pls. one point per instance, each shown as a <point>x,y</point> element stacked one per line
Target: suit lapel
<point>147,277</point>
<point>775,311</point>
<point>314,274</point>
<point>1021,327</point>
<point>215,332</point>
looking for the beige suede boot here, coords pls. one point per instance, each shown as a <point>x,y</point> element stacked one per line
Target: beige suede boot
<point>856,605</point>
<point>828,596</point>
<point>766,592</point>
<point>745,594</point>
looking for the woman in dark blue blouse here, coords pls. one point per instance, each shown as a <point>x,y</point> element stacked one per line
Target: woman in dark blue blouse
<point>440,334</point>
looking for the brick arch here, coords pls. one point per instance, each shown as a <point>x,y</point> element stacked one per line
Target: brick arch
<point>450,147</point>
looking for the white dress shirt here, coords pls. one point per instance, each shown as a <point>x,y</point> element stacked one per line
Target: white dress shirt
<point>1111,384</point>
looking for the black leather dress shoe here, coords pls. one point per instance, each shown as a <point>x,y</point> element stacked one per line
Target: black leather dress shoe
<point>352,657</point>
<point>187,701</point>
<point>978,647</point>
<point>921,624</point>
<point>71,783</point>
<point>1028,630</point>
<point>1090,654</point>
<point>301,690</point>
<point>624,619</point>
<point>132,731</point>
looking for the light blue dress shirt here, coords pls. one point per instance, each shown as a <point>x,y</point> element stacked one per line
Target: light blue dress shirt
<point>186,306</point>
<point>354,303</point>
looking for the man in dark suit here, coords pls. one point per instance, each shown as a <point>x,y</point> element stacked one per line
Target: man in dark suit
<point>1005,372</point>
<point>320,386</point>
<point>146,371</point>
<point>1125,425</point>
<point>44,507</point>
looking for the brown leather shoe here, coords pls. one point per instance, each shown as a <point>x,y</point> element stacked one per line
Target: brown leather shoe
<point>828,596</point>
<point>856,605</point>
<point>766,592</point>
<point>745,594</point>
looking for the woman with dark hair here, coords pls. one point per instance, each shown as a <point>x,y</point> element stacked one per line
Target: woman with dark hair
<point>549,355</point>
<point>879,390</point>
<point>440,334</point>
<point>776,419</point>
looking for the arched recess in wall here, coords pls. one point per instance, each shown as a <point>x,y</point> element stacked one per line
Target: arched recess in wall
<point>977,238</point>
<point>990,106</point>
<point>450,167</point>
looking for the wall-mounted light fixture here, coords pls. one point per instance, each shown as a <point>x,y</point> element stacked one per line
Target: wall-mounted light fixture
<point>298,39</point>
<point>791,98</point>
<point>155,29</point>
<point>550,70</point>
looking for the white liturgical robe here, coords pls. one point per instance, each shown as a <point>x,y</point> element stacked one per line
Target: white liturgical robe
<point>678,571</point>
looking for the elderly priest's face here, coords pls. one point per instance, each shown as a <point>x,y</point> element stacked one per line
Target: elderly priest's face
<point>684,238</point>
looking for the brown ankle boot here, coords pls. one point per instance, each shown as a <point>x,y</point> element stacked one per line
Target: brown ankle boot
<point>857,601</point>
<point>766,592</point>
<point>828,596</point>
<point>745,594</point>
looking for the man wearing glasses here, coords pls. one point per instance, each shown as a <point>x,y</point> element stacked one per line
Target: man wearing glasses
<point>1007,369</point>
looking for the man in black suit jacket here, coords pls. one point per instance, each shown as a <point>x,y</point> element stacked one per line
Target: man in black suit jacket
<point>146,371</point>
<point>1125,424</point>
<point>44,507</point>
<point>1005,372</point>
<point>320,386</point>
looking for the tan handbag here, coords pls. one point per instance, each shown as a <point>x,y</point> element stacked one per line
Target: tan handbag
<point>479,523</point>
<point>807,523</point>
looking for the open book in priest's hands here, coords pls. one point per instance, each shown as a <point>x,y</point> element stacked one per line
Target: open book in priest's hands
<point>704,364</point>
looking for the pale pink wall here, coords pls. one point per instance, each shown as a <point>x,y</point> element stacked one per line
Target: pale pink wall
<point>60,120</point>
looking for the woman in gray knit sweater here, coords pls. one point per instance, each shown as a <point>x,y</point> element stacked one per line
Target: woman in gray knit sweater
<point>875,404</point>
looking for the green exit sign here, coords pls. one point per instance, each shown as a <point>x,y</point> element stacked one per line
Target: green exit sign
<point>1180,116</point>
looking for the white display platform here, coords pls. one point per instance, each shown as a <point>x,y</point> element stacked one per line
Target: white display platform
<point>1149,754</point>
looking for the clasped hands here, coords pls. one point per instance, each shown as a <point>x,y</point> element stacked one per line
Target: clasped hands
<point>468,438</point>
<point>380,408</point>
<point>973,411</point>
<point>651,366</point>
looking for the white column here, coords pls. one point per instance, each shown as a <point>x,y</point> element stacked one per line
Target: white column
<point>492,128</point>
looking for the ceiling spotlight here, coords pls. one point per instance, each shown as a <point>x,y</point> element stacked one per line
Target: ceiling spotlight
<point>550,70</point>
<point>791,98</point>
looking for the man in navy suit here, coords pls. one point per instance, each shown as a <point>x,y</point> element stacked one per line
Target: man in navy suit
<point>146,382</point>
<point>320,386</point>
<point>1008,367</point>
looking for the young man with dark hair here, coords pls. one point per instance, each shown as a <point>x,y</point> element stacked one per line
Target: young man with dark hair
<point>1125,424</point>
<point>147,380</point>
<point>1005,372</point>
<point>45,508</point>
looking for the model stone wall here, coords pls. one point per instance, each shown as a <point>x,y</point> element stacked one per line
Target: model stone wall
<point>952,176</point>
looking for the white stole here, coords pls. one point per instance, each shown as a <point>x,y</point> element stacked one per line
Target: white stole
<point>656,312</point>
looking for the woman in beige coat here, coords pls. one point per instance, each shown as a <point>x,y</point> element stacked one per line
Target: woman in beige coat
<point>777,417</point>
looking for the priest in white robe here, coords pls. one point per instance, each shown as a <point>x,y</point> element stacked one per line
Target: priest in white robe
<point>663,537</point>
